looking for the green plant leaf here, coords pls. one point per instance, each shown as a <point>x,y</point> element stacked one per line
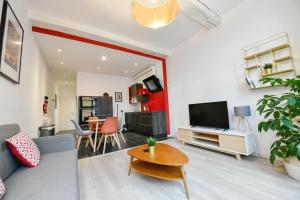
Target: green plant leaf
<point>280,154</point>
<point>260,126</point>
<point>291,101</point>
<point>276,124</point>
<point>272,157</point>
<point>265,126</point>
<point>298,152</point>
<point>292,149</point>
<point>276,114</point>
<point>287,123</point>
<point>268,114</point>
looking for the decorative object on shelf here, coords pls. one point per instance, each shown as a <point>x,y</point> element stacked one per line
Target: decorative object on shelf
<point>146,108</point>
<point>118,97</point>
<point>250,82</point>
<point>276,51</point>
<point>242,112</point>
<point>11,43</point>
<point>281,115</point>
<point>133,92</point>
<point>151,144</point>
<point>154,14</point>
<point>105,94</point>
<point>268,69</point>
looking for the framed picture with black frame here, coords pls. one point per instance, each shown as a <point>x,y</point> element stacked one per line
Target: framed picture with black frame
<point>118,97</point>
<point>11,44</point>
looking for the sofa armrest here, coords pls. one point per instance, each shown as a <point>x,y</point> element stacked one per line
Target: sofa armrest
<point>57,143</point>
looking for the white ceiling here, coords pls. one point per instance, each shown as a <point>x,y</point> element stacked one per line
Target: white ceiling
<point>109,21</point>
<point>82,57</point>
<point>112,18</point>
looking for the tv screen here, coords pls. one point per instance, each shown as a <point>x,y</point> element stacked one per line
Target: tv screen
<point>214,114</point>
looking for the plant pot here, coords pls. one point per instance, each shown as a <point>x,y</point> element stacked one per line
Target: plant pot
<point>292,167</point>
<point>269,71</point>
<point>151,149</point>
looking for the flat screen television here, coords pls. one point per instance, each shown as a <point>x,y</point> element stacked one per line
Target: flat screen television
<point>152,83</point>
<point>213,114</point>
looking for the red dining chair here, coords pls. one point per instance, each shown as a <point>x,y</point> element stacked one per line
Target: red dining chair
<point>92,126</point>
<point>109,130</point>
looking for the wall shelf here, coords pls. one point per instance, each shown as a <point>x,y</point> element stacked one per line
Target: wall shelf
<point>275,50</point>
<point>283,59</point>
<point>278,72</point>
<point>252,67</point>
<point>266,86</point>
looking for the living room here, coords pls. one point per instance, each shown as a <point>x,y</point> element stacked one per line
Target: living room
<point>103,83</point>
<point>216,61</point>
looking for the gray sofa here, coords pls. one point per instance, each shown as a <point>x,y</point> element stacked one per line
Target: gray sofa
<point>55,178</point>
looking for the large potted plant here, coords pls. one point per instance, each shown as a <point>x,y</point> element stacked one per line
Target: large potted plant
<point>282,115</point>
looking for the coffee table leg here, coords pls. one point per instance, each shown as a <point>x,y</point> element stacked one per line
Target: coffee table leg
<point>130,164</point>
<point>184,182</point>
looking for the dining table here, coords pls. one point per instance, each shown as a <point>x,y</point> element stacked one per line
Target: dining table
<point>97,122</point>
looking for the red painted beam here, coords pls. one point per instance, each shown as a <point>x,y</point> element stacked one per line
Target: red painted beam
<point>115,47</point>
<point>90,41</point>
<point>164,66</point>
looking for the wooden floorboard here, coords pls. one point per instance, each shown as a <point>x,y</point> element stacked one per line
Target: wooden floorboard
<point>210,176</point>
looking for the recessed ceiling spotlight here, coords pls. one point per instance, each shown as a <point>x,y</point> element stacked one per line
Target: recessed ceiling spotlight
<point>103,58</point>
<point>136,64</point>
<point>98,68</point>
<point>59,50</point>
<point>126,72</point>
<point>61,63</point>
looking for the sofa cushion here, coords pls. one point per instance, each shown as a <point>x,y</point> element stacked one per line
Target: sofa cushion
<point>8,163</point>
<point>24,149</point>
<point>2,189</point>
<point>54,178</point>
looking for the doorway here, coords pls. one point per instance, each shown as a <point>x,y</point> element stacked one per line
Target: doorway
<point>67,106</point>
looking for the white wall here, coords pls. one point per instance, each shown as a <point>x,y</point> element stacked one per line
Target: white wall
<point>22,103</point>
<point>208,67</point>
<point>89,84</point>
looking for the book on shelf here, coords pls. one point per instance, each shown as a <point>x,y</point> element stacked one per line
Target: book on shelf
<point>250,83</point>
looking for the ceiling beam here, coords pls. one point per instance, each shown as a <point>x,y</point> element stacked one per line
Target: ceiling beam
<point>93,42</point>
<point>41,20</point>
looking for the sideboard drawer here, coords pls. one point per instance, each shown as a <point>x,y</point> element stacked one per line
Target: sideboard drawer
<point>184,134</point>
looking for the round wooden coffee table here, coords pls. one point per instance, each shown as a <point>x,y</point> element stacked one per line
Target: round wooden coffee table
<point>166,163</point>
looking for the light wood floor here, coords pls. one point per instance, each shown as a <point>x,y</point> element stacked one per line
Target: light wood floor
<point>210,176</point>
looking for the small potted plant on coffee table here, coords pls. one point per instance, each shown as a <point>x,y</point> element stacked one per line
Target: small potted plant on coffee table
<point>268,68</point>
<point>151,144</point>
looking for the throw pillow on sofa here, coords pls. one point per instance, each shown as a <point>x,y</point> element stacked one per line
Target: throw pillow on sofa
<point>2,189</point>
<point>24,149</point>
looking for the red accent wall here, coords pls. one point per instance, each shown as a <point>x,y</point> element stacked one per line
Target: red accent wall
<point>156,102</point>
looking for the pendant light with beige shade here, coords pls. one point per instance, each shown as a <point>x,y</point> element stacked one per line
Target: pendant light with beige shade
<point>154,13</point>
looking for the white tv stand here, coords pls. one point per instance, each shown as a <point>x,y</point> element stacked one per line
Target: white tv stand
<point>229,141</point>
